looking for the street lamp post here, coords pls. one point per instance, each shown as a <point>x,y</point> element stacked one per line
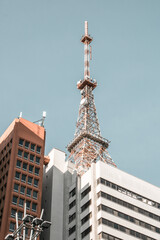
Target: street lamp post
<point>36,226</point>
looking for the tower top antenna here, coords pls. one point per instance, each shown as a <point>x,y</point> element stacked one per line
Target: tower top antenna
<point>86,28</point>
<point>86,40</point>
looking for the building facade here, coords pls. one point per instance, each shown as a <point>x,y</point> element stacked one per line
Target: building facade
<point>103,203</point>
<point>87,197</point>
<point>21,172</point>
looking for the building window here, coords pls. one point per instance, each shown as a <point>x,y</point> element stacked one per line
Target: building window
<point>37,160</point>
<point>37,171</point>
<point>72,204</point>
<point>22,191</point>
<point>25,166</point>
<point>35,194</point>
<point>128,218</point>
<point>72,230</point>
<point>16,186</point>
<point>29,192</point>
<point>127,205</point>
<point>34,207</point>
<point>36,182</point>
<point>23,179</point>
<point>18,165</point>
<point>85,192</point>
<point>14,200</point>
<point>12,226</point>
<point>72,193</point>
<point>17,175</point>
<point>128,193</point>
<point>72,217</point>
<point>20,153</point>
<point>86,232</point>
<point>20,215</point>
<point>30,168</point>
<point>31,157</point>
<point>86,218</point>
<point>38,149</point>
<point>26,144</point>
<point>21,202</point>
<point>21,142</point>
<point>25,155</point>
<point>28,204</point>
<point>32,147</point>
<point>13,213</point>
<point>86,205</point>
<point>107,236</point>
<point>30,180</point>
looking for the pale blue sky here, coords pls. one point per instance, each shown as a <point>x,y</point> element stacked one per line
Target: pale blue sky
<point>41,60</point>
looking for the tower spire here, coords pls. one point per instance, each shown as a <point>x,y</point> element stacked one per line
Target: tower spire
<point>86,40</point>
<point>88,145</point>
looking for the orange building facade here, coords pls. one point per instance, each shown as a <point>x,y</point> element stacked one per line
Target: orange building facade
<point>21,172</point>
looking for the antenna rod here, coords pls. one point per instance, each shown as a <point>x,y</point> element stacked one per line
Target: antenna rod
<point>86,28</point>
<point>86,40</point>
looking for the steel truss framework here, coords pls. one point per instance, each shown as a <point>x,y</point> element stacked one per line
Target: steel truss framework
<point>88,145</point>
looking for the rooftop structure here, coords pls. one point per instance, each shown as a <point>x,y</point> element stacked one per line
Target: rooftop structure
<point>88,145</point>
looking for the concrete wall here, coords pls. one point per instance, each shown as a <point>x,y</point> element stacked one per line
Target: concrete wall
<point>53,194</point>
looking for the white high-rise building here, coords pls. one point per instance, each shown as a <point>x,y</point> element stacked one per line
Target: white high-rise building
<point>87,197</point>
<point>103,203</point>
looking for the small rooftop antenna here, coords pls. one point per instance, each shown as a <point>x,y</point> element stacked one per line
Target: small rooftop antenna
<point>41,121</point>
<point>43,118</point>
<point>20,115</point>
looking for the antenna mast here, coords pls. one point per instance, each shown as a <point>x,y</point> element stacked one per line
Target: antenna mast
<point>86,40</point>
<point>88,145</point>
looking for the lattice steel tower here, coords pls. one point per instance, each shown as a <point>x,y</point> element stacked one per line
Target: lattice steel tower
<point>88,145</point>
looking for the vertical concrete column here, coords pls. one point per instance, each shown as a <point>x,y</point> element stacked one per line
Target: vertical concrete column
<point>94,200</point>
<point>78,208</point>
<point>67,183</point>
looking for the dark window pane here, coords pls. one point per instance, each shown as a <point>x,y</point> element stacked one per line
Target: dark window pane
<point>29,192</point>
<point>12,226</point>
<point>20,153</point>
<point>13,213</point>
<point>23,178</point>
<point>34,207</point>
<point>32,147</point>
<point>37,160</point>
<point>37,171</point>
<point>28,203</point>
<point>21,142</point>
<point>18,165</point>
<point>25,155</point>
<point>26,144</point>
<point>36,182</point>
<point>17,175</point>
<point>30,168</point>
<point>21,202</point>
<point>14,200</point>
<point>35,193</point>
<point>25,166</point>
<point>38,149</point>
<point>20,215</point>
<point>22,190</point>
<point>16,186</point>
<point>29,180</point>
<point>31,157</point>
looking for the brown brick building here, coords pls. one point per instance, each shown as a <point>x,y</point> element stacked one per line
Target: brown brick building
<point>21,171</point>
